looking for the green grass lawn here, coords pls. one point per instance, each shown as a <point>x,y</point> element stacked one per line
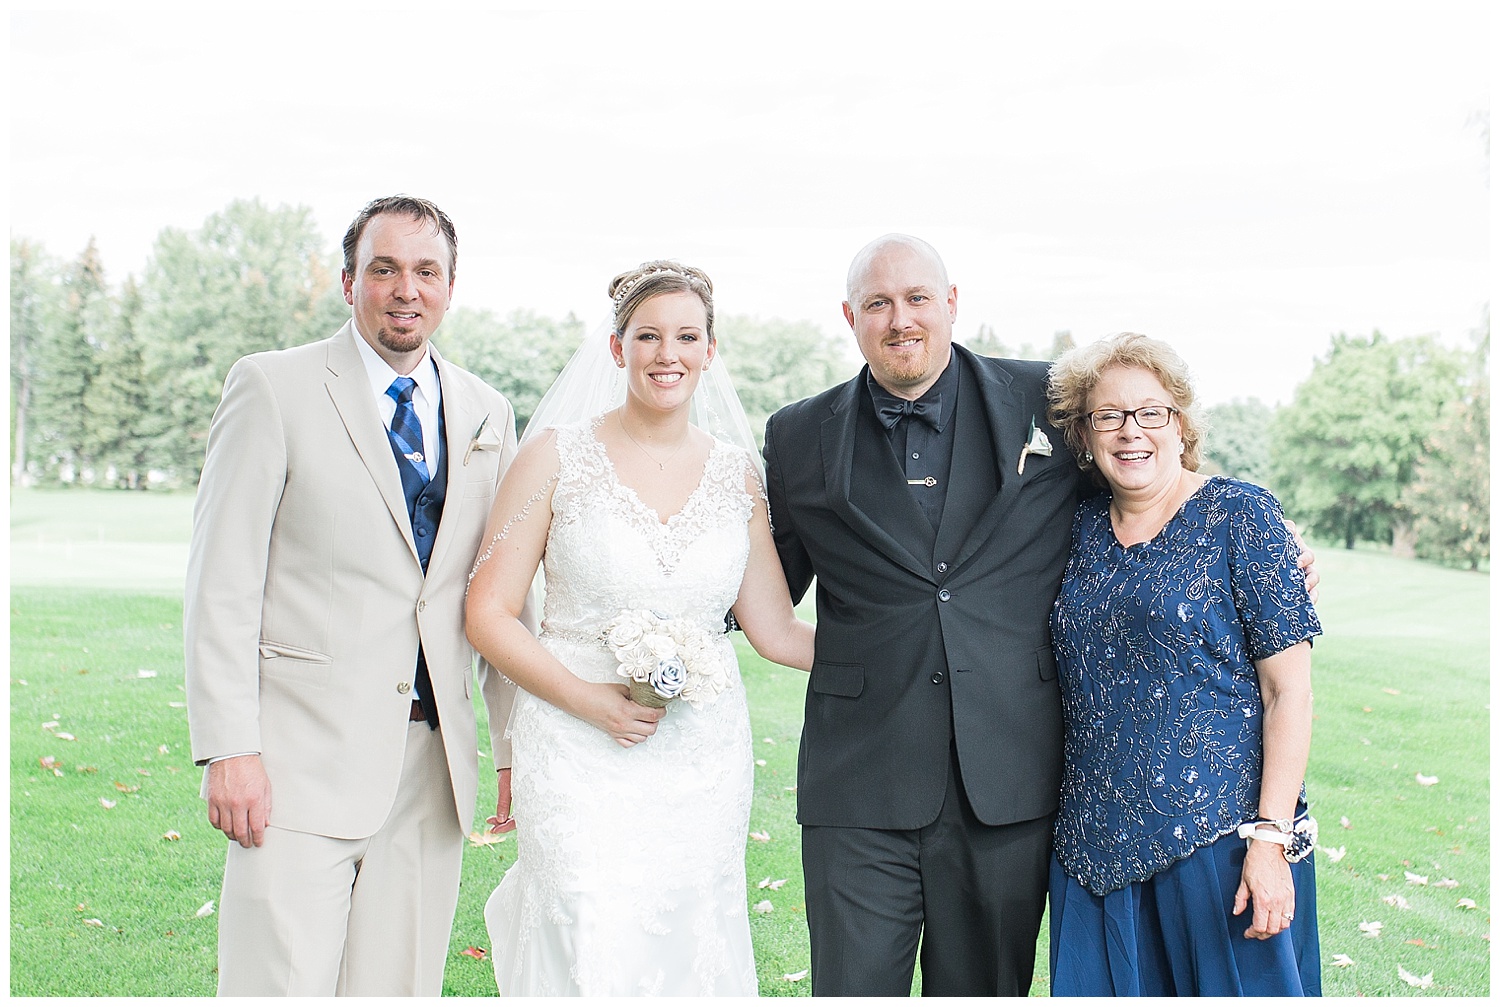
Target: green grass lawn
<point>103,903</point>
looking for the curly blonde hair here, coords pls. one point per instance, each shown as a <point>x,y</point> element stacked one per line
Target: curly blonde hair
<point>635,287</point>
<point>1074,375</point>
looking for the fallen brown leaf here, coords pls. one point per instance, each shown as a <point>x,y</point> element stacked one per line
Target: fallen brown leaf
<point>125,788</point>
<point>1420,982</point>
<point>171,835</point>
<point>475,953</point>
<point>106,803</point>
<point>486,838</point>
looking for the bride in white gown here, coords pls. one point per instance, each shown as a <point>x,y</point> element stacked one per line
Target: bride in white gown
<point>632,820</point>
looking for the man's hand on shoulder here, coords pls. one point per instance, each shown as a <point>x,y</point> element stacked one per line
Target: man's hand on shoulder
<point>239,799</point>
<point>1305,561</point>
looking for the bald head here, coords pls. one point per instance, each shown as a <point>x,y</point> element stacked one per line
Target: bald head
<point>901,308</point>
<point>875,249</point>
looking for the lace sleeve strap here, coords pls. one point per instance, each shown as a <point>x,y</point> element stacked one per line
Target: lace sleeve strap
<point>755,481</point>
<point>515,519</point>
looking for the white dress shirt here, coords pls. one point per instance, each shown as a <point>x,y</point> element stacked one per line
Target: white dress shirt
<point>427,397</point>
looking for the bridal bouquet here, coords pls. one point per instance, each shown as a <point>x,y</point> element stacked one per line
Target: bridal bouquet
<point>665,659</point>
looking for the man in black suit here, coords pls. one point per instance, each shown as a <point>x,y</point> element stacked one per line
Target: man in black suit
<point>933,503</point>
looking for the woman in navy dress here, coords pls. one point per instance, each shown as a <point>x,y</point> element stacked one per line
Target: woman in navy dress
<point>1182,634</point>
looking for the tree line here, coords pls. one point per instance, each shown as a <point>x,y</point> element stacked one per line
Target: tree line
<point>114,385</point>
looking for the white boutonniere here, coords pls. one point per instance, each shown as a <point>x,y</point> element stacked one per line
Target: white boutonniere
<point>1036,444</point>
<point>486,438</point>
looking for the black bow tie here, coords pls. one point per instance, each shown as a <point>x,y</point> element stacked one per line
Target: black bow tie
<point>928,409</point>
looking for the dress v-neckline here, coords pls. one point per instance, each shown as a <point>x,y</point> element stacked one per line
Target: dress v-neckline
<point>644,509</point>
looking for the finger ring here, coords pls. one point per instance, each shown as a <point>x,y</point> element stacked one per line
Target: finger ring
<point>1288,916</point>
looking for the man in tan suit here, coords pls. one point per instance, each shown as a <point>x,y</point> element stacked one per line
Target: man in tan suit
<point>343,498</point>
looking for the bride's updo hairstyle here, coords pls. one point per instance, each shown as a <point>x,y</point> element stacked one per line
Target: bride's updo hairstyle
<point>634,287</point>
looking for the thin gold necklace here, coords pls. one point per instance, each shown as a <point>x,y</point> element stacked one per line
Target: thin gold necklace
<point>659,464</point>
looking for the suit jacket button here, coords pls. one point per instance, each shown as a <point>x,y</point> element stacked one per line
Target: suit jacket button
<point>942,568</point>
<point>403,687</point>
<point>944,594</point>
<point>937,678</point>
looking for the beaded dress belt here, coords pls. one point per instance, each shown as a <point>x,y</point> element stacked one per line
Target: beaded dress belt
<point>570,635</point>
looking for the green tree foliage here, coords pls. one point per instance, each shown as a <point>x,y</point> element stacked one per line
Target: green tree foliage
<point>1348,446</point>
<point>986,343</point>
<point>35,285</point>
<point>1239,440</point>
<point>1450,499</point>
<point>518,355</point>
<point>66,367</point>
<point>775,362</point>
<point>116,402</point>
<point>252,278</point>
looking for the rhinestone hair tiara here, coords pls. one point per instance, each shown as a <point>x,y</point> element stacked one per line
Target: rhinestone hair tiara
<point>625,290</point>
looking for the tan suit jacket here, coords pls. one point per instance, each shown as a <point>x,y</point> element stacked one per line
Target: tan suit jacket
<point>305,598</point>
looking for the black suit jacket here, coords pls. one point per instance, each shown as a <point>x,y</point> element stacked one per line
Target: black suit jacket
<point>927,641</point>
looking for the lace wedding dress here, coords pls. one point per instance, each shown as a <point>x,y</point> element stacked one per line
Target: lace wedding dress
<point>630,877</point>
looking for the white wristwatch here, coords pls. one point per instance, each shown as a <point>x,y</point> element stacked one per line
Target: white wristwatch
<point>1296,841</point>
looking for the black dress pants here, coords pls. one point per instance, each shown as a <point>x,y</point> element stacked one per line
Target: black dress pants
<point>973,894</point>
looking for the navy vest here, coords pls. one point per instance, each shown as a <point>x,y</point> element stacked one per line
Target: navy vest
<point>424,508</point>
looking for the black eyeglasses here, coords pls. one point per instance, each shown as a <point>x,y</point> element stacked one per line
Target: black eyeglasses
<point>1146,417</point>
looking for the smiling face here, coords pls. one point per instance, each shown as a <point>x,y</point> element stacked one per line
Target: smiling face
<point>664,349</point>
<point>401,287</point>
<point>1132,460</point>
<point>901,309</point>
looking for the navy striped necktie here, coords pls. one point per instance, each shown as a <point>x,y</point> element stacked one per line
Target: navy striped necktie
<point>405,426</point>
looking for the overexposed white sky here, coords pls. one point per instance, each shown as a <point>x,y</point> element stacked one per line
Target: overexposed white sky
<point>1240,180</point>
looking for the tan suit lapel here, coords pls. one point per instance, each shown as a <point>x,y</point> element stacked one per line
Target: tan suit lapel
<point>349,386</point>
<point>459,423</point>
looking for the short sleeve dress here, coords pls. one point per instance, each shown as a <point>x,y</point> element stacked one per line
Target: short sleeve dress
<point>1162,750</point>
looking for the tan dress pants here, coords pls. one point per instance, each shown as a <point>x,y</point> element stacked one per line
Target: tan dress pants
<point>307,915</point>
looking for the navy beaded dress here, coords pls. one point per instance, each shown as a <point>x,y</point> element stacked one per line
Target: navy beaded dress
<point>1155,647</point>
